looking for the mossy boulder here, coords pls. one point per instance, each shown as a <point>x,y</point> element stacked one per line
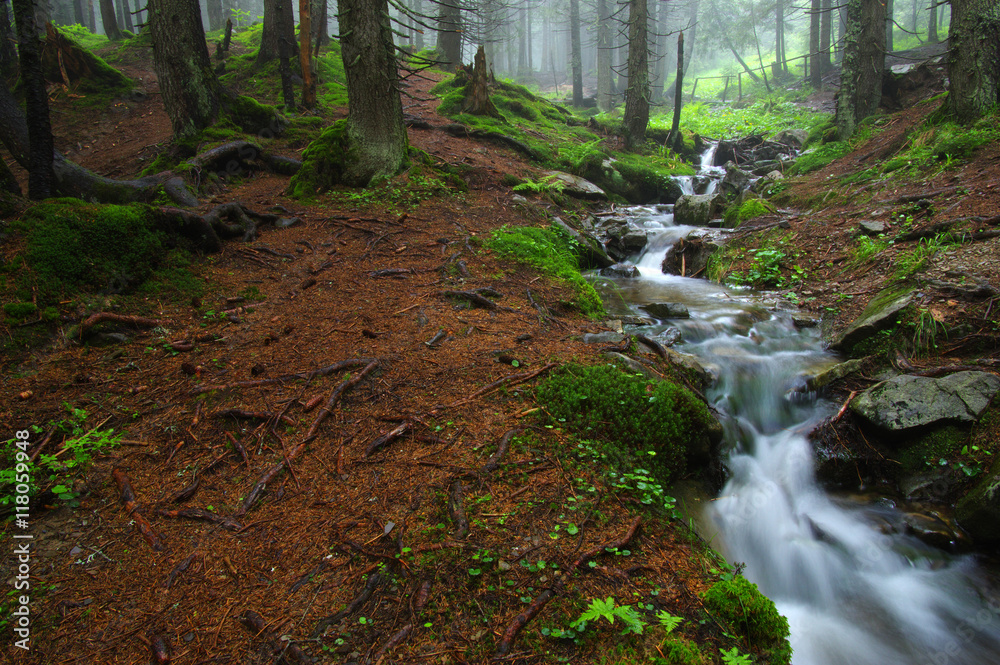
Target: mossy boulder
<point>605,403</point>
<point>907,403</point>
<point>324,162</point>
<point>740,605</point>
<point>880,314</point>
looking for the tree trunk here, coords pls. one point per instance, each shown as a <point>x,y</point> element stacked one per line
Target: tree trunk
<point>779,35</point>
<point>604,47</point>
<point>375,126</point>
<point>321,28</point>
<point>522,41</point>
<point>888,25</point>
<point>91,19</point>
<point>278,27</point>
<point>637,96</point>
<point>932,23</point>
<point>825,30</point>
<point>477,91</point>
<point>449,36</point>
<point>214,8</point>
<point>305,54</point>
<point>40,177</point>
<point>974,59</point>
<point>418,38</point>
<point>127,17</point>
<point>8,54</point>
<point>576,58</point>
<point>815,66</point>
<point>8,183</point>
<point>674,138</point>
<point>110,21</point>
<point>78,13</point>
<point>864,60</point>
<point>190,90</point>
<point>692,34</point>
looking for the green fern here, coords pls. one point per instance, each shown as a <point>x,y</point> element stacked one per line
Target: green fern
<point>668,620</point>
<point>608,610</point>
<point>734,657</point>
<point>549,183</point>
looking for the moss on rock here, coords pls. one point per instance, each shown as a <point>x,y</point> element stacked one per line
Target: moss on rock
<point>740,605</point>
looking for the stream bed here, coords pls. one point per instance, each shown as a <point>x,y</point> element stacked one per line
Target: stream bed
<point>855,592</point>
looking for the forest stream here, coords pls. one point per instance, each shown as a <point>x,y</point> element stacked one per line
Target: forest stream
<point>853,593</point>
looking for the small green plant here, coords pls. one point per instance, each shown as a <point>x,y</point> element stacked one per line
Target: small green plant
<point>547,185</point>
<point>734,657</point>
<point>668,621</point>
<point>866,249</point>
<point>609,611</point>
<point>58,472</point>
<point>740,605</point>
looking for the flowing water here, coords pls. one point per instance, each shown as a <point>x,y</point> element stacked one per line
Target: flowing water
<point>854,592</point>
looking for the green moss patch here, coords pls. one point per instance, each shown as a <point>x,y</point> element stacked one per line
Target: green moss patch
<point>749,209</point>
<point>73,246</point>
<point>323,162</point>
<point>819,157</point>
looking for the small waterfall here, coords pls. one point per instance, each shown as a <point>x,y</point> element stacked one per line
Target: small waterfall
<point>853,594</point>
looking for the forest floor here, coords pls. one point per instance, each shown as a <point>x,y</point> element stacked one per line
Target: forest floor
<point>353,523</point>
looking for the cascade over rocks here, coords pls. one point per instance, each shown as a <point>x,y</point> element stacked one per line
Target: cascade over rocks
<point>625,269</point>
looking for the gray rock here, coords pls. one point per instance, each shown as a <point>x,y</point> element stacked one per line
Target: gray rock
<point>578,187</point>
<point>632,320</point>
<point>979,511</point>
<point>603,338</point>
<point>632,364</point>
<point>828,375</point>
<point>624,269</point>
<point>907,402</point>
<point>624,240</point>
<point>668,310</point>
<point>766,180</point>
<point>690,254</point>
<point>801,320</point>
<point>871,227</point>
<point>735,182</point>
<point>697,209</point>
<point>878,315</point>
<point>795,138</point>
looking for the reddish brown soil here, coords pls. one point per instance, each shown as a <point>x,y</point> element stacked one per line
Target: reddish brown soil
<point>307,548</point>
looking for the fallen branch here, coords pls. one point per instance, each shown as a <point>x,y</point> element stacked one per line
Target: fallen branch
<point>178,569</point>
<point>475,298</point>
<point>520,621</point>
<point>337,392</point>
<point>911,198</point>
<point>102,317</point>
<point>373,581</point>
<point>618,544</point>
<point>251,415</point>
<point>494,461</point>
<point>843,408</point>
<point>281,649</point>
<point>393,641</point>
<point>510,380</point>
<point>201,514</point>
<point>456,510</point>
<point>387,438</point>
<point>132,508</point>
<point>323,371</point>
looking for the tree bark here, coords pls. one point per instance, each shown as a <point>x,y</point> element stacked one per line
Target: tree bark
<point>675,127</point>
<point>91,19</point>
<point>321,29</point>
<point>78,12</point>
<point>8,183</point>
<point>40,177</point>
<point>604,48</point>
<point>278,26</point>
<point>779,35</point>
<point>375,125</point>
<point>110,21</point>
<point>637,96</point>
<point>864,61</point>
<point>190,90</point>
<point>576,58</point>
<point>477,93</point>
<point>974,59</point>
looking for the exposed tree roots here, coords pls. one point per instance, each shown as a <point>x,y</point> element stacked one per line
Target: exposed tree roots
<point>282,650</point>
<point>132,508</point>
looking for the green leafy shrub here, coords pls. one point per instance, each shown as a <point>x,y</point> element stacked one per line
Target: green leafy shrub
<point>740,605</point>
<point>552,252</point>
<point>752,207</point>
<point>605,403</point>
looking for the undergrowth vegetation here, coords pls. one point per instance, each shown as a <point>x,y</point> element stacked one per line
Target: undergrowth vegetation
<point>727,121</point>
<point>739,604</point>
